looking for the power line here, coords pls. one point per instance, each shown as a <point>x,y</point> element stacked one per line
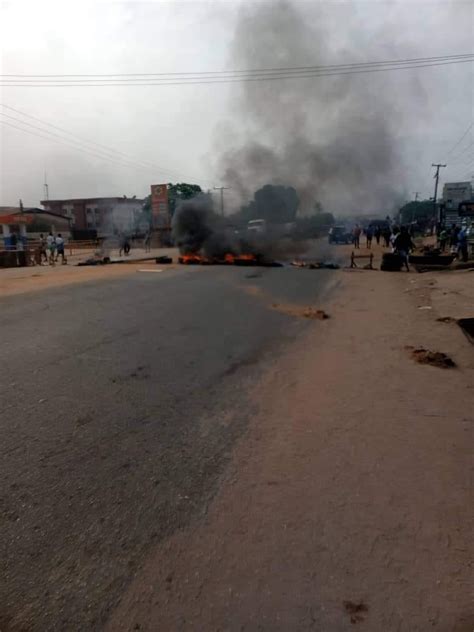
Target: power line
<point>58,140</point>
<point>146,164</point>
<point>222,79</point>
<point>464,151</point>
<point>285,69</point>
<point>461,139</point>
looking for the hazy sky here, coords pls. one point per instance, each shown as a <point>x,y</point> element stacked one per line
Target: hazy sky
<point>185,129</point>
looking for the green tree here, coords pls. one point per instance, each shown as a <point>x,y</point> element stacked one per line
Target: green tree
<point>176,192</point>
<point>414,211</point>
<point>181,191</point>
<point>274,203</point>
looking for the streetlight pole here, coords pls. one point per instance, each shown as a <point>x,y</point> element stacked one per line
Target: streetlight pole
<point>436,177</point>
<point>222,189</point>
<point>416,194</point>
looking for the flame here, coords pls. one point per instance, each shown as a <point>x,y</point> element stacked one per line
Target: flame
<point>190,259</point>
<point>228,259</point>
<point>245,259</point>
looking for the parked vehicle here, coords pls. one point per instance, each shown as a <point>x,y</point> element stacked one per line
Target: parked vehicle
<point>339,235</point>
<point>257,226</point>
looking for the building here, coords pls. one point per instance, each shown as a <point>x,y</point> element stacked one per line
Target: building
<point>98,216</point>
<point>454,194</point>
<point>29,222</point>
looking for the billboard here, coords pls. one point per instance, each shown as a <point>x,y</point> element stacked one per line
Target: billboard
<point>159,206</point>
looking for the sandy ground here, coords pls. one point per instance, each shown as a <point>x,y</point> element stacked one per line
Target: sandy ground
<point>37,278</point>
<point>348,504</point>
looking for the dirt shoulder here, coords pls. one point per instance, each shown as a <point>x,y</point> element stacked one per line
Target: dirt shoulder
<point>349,500</point>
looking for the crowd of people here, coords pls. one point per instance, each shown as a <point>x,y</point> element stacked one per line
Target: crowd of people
<point>456,239</point>
<point>50,248</point>
<point>399,239</point>
<point>381,234</point>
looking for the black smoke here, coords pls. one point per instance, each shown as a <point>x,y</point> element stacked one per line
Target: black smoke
<point>333,139</point>
<point>196,229</point>
<point>192,224</point>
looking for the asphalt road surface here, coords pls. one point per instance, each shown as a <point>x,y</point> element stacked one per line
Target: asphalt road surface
<point>121,401</point>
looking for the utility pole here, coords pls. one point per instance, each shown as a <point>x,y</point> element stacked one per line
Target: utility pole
<point>46,188</point>
<point>416,194</point>
<point>436,177</point>
<point>222,189</point>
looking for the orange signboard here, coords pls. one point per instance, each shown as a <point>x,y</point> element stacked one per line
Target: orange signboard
<point>159,205</point>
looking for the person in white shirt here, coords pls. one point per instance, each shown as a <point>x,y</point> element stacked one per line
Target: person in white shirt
<point>51,245</point>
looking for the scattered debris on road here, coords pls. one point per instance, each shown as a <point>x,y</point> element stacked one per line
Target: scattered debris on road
<point>446,319</point>
<point>304,312</point>
<point>317,314</point>
<point>467,326</point>
<point>315,265</point>
<point>434,358</point>
<point>356,611</point>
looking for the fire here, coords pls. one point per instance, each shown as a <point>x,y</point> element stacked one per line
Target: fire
<point>245,259</point>
<point>228,259</point>
<point>190,259</point>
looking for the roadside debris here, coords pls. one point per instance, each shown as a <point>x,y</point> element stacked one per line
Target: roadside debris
<point>434,358</point>
<point>446,319</point>
<point>467,326</point>
<point>315,265</point>
<point>356,611</point>
<point>391,262</point>
<point>95,261</point>
<point>368,266</point>
<point>305,312</point>
<point>164,259</point>
<point>316,314</point>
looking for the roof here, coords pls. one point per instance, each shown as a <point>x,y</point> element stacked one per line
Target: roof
<point>29,210</point>
<point>92,199</point>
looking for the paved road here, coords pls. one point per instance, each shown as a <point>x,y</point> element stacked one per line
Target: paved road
<point>121,401</point>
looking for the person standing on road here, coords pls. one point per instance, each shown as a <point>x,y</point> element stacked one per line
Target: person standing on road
<point>369,233</point>
<point>402,245</point>
<point>51,246</point>
<point>122,241</point>
<point>13,241</point>
<point>356,236</point>
<point>42,249</point>
<point>147,241</point>
<point>462,244</point>
<point>377,235</point>
<point>60,248</point>
<point>454,238</point>
<point>442,238</point>
<point>386,234</point>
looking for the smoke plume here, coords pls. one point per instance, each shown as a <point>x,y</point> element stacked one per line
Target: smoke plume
<point>196,229</point>
<point>333,138</point>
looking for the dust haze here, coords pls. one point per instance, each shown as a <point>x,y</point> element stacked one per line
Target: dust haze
<point>333,139</point>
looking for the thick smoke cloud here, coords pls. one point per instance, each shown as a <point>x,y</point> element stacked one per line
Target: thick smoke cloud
<point>196,229</point>
<point>333,139</point>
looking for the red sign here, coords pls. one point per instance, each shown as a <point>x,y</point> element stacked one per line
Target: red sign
<point>159,205</point>
<point>15,219</point>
